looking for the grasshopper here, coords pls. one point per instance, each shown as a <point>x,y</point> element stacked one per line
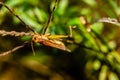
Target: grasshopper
<point>43,38</point>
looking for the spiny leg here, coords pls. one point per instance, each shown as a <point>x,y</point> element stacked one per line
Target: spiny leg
<point>13,50</point>
<point>32,48</point>
<point>50,18</point>
<point>9,9</point>
<point>63,36</point>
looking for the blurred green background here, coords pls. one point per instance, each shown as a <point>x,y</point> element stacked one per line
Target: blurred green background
<point>95,54</point>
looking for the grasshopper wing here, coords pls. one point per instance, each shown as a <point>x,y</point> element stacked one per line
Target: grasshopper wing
<point>56,44</point>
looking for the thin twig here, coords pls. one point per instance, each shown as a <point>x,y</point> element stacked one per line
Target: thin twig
<point>14,33</point>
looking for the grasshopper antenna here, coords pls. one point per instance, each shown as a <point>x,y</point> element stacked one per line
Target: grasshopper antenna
<point>50,18</point>
<point>27,26</point>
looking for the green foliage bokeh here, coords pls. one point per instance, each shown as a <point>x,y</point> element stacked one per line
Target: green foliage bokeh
<point>95,54</point>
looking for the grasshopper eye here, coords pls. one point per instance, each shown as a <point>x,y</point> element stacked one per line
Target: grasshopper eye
<point>35,39</point>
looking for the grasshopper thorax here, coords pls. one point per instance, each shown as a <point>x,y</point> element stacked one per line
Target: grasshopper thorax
<point>39,38</point>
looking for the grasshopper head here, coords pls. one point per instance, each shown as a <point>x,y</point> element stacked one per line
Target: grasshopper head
<point>38,38</point>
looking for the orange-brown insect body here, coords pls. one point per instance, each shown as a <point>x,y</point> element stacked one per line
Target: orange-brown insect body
<point>44,39</point>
